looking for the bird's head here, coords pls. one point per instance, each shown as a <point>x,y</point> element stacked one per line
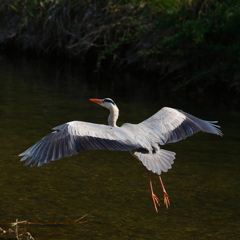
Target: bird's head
<point>106,102</point>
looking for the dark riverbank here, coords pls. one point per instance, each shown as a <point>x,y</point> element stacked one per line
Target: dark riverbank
<point>193,47</point>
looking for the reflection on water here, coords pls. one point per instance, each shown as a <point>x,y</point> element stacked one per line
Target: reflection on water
<point>109,187</point>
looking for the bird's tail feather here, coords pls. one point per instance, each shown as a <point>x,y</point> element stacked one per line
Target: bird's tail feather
<point>157,162</point>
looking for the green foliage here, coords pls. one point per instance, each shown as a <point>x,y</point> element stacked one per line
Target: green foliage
<point>206,37</point>
<point>187,41</point>
<point>107,51</point>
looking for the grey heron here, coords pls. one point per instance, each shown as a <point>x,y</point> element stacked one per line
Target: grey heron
<point>143,140</point>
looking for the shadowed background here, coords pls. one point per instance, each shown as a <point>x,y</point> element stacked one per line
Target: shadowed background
<point>111,187</point>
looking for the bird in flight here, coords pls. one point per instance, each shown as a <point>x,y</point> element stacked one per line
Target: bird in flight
<point>144,140</point>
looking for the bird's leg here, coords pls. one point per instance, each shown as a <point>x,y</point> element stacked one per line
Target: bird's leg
<point>154,197</point>
<point>165,195</point>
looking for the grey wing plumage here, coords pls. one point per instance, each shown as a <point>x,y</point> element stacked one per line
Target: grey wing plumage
<point>76,136</point>
<point>173,125</point>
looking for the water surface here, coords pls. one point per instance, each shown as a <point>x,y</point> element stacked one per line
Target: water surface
<point>109,187</point>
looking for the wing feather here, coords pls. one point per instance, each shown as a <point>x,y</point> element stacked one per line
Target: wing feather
<point>172,125</point>
<point>76,136</point>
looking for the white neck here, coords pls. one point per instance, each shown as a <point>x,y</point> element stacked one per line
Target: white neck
<point>112,118</point>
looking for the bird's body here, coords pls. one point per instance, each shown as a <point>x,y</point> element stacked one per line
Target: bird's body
<point>143,140</point>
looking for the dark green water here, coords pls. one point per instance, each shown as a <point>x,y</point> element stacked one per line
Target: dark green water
<point>111,187</point>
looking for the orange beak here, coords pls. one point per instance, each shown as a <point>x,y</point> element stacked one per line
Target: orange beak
<point>96,100</point>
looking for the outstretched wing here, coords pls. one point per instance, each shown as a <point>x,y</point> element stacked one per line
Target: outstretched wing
<point>176,125</point>
<point>76,136</point>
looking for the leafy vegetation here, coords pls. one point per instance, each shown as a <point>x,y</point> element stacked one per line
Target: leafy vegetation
<point>189,42</point>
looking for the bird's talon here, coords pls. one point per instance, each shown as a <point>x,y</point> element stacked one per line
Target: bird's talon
<point>155,201</point>
<point>166,199</point>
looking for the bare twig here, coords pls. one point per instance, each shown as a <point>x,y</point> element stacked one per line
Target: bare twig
<point>84,216</point>
<point>14,232</point>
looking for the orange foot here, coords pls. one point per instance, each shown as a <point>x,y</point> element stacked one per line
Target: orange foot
<point>155,201</point>
<point>166,199</point>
